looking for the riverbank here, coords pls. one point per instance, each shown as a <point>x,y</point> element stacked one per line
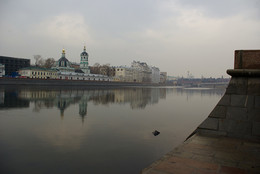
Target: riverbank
<point>58,82</point>
<point>203,154</point>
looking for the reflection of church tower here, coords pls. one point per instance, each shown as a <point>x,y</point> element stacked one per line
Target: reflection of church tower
<point>62,104</point>
<point>84,61</point>
<point>83,108</point>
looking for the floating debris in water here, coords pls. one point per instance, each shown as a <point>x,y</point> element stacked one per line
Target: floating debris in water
<point>155,133</point>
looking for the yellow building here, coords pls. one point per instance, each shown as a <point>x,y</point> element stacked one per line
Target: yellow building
<point>38,73</point>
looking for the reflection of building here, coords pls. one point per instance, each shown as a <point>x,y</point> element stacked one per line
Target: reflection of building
<point>10,99</point>
<point>2,70</point>
<point>13,64</point>
<point>138,98</point>
<point>2,97</point>
<point>83,106</point>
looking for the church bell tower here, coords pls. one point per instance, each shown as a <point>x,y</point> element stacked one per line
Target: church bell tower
<point>84,61</point>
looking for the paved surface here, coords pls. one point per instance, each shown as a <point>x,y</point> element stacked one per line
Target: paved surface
<point>210,155</point>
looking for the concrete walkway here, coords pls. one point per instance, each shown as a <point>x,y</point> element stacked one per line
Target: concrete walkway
<point>203,154</point>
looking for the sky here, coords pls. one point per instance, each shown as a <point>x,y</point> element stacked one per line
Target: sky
<point>175,35</point>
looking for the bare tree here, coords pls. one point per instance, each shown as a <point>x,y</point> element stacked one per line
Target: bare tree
<point>39,61</point>
<point>49,63</point>
<point>37,58</point>
<point>95,69</point>
<point>96,65</point>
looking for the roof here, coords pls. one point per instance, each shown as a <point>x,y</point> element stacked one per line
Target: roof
<point>63,59</point>
<point>84,53</point>
<point>37,68</point>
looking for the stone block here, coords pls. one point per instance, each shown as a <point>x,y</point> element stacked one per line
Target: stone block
<point>257,101</point>
<point>238,100</point>
<point>253,87</point>
<point>211,132</point>
<point>247,59</point>
<point>254,115</point>
<point>209,123</point>
<point>256,128</point>
<point>235,127</point>
<point>225,100</point>
<point>218,112</point>
<point>237,113</point>
<point>237,85</point>
<point>250,102</point>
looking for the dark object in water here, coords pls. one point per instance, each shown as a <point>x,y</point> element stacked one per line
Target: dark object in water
<point>155,133</point>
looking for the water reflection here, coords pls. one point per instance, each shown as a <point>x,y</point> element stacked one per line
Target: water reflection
<point>137,98</point>
<point>95,130</point>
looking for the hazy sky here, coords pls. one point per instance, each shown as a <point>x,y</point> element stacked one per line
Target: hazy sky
<point>177,36</point>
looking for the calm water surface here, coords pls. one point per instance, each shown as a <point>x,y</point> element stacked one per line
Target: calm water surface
<point>73,130</point>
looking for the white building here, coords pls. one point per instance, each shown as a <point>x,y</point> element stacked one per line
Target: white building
<point>155,75</point>
<point>38,73</point>
<point>123,74</point>
<point>82,76</point>
<point>2,70</point>
<point>143,69</point>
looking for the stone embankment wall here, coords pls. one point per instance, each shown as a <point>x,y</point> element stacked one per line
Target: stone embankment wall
<point>237,114</point>
<point>54,82</point>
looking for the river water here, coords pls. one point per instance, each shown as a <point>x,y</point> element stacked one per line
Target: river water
<point>47,130</point>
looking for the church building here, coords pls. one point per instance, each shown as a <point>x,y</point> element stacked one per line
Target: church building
<point>66,71</point>
<point>84,61</point>
<point>63,64</point>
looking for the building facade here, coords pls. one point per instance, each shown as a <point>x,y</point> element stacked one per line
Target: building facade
<point>2,70</point>
<point>144,71</point>
<point>123,74</point>
<point>155,78</point>
<point>12,64</point>
<point>38,73</point>
<point>163,77</point>
<point>82,76</point>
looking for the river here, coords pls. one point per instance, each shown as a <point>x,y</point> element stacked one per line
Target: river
<point>45,130</point>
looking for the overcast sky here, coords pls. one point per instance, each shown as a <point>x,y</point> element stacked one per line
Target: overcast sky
<point>177,36</point>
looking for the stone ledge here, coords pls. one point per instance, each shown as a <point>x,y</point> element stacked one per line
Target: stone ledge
<point>244,72</point>
<point>247,59</point>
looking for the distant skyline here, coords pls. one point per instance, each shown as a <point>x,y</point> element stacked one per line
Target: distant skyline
<point>175,35</point>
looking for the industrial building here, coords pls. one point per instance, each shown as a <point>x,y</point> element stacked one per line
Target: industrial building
<point>12,64</point>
